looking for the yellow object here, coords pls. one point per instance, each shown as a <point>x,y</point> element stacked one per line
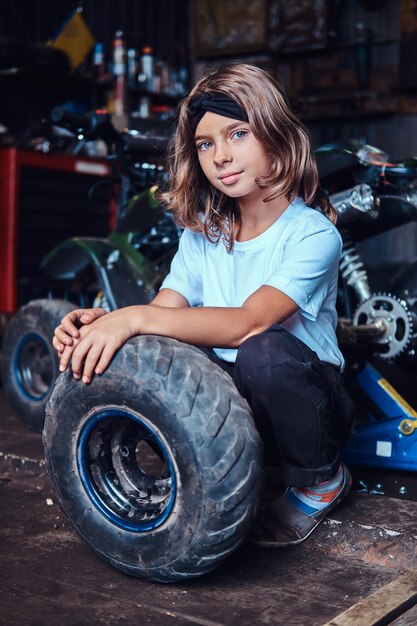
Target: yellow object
<point>407,426</point>
<point>75,39</point>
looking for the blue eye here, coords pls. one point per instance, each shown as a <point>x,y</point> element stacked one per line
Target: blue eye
<point>239,134</point>
<point>205,145</point>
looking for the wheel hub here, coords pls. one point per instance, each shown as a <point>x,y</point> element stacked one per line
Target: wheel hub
<point>126,469</point>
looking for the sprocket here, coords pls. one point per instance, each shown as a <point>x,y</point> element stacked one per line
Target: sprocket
<point>395,319</point>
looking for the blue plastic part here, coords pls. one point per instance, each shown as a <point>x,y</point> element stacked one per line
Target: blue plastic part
<point>92,491</point>
<point>381,442</point>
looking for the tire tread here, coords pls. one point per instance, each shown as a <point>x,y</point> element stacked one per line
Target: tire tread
<point>219,425</point>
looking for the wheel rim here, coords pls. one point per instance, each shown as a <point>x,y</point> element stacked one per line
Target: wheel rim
<point>34,367</point>
<point>126,469</point>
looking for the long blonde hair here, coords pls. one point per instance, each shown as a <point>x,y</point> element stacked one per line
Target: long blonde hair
<point>293,166</point>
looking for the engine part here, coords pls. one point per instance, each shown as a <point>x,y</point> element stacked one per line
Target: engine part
<point>353,271</point>
<point>395,320</point>
<point>355,203</point>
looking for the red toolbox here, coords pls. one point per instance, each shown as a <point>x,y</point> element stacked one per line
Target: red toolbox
<point>44,199</point>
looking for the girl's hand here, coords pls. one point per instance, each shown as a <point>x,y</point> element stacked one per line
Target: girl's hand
<point>68,330</point>
<point>97,343</point>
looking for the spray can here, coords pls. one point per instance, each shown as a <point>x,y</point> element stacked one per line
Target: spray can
<point>119,74</point>
<point>119,52</point>
<point>148,67</point>
<point>132,67</point>
<point>99,63</point>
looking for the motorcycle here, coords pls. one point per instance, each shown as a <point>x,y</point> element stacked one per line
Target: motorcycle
<point>377,329</point>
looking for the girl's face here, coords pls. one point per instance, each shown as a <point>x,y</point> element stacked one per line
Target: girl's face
<point>230,155</point>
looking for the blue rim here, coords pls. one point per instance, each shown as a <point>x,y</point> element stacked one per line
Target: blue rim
<point>112,472</point>
<point>33,365</point>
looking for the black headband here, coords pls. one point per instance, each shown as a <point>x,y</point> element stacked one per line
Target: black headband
<point>217,103</point>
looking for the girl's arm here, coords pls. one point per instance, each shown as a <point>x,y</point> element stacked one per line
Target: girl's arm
<point>68,330</point>
<point>169,298</point>
<point>207,326</point>
<point>215,326</point>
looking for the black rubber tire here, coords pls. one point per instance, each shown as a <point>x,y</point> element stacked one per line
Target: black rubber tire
<point>196,418</point>
<point>30,365</point>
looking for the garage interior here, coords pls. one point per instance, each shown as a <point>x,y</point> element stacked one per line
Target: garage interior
<point>75,78</point>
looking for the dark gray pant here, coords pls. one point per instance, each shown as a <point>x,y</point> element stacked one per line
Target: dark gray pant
<point>300,405</point>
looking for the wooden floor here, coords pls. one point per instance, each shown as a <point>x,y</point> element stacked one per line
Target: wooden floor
<point>48,575</point>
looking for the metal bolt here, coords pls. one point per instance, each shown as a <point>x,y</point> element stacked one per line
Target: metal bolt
<point>124,451</point>
<point>406,426</point>
<point>403,490</point>
<point>379,486</point>
<point>377,492</point>
<point>363,487</point>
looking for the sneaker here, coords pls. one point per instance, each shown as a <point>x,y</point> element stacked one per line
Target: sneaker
<point>281,523</point>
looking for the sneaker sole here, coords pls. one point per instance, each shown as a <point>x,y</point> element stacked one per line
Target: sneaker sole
<point>343,493</point>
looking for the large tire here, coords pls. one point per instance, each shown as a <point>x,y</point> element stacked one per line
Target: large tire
<point>30,365</point>
<point>161,403</point>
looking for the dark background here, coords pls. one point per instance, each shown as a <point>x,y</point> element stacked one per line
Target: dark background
<point>350,74</point>
<point>162,24</point>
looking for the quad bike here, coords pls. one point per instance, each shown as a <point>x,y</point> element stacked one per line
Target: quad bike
<point>125,268</point>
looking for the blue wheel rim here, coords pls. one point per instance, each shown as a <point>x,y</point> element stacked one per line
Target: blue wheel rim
<point>126,469</point>
<point>33,365</point>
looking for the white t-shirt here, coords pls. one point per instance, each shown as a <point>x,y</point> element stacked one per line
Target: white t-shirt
<point>299,255</point>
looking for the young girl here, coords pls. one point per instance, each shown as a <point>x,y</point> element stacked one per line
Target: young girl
<point>255,279</point>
